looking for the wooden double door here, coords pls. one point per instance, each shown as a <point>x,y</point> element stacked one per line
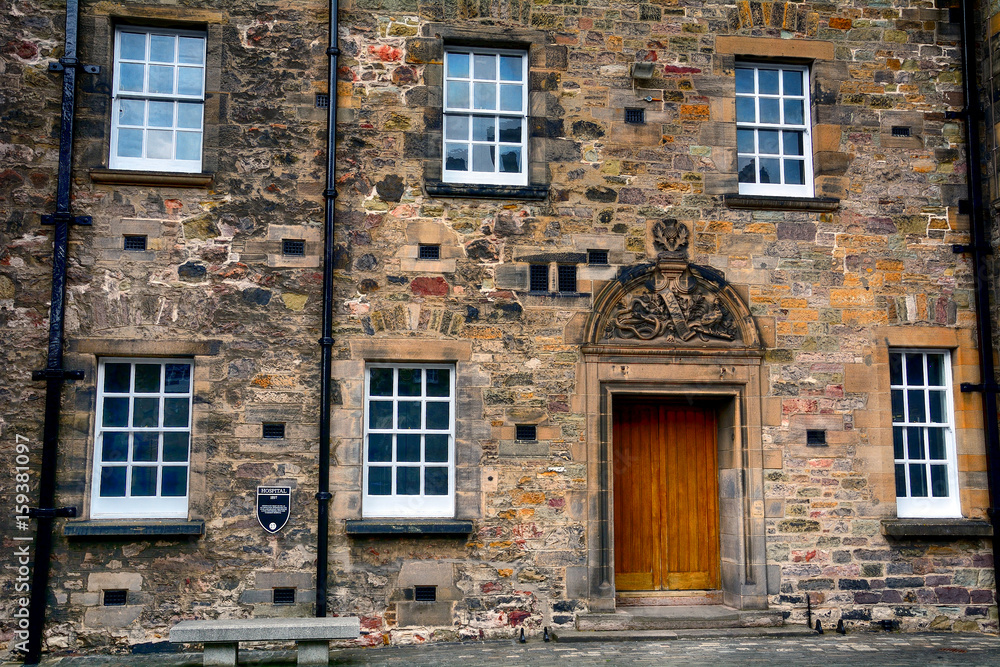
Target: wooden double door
<point>666,496</point>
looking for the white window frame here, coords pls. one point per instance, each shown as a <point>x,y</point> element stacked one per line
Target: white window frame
<point>495,177</point>
<point>408,506</point>
<point>128,506</point>
<point>123,100</point>
<point>780,189</point>
<point>904,426</point>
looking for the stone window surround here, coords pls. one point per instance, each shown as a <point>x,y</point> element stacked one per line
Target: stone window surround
<point>531,41</point>
<point>97,48</point>
<point>86,354</point>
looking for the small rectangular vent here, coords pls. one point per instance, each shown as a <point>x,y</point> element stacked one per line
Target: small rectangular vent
<point>283,596</point>
<point>322,101</point>
<point>115,598</point>
<point>425,593</point>
<point>134,242</point>
<point>538,278</point>
<point>815,438</point>
<point>597,257</point>
<point>273,430</point>
<point>900,131</point>
<point>567,278</point>
<point>526,432</point>
<point>635,116</point>
<point>293,247</point>
<point>427,251</point>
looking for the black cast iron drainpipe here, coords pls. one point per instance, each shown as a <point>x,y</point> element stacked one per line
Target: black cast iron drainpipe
<point>323,496</point>
<point>979,248</point>
<point>54,374</point>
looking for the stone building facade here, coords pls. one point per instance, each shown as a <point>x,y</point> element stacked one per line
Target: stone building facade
<point>635,304</point>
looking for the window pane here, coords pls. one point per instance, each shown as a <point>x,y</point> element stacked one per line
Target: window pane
<point>160,144</point>
<point>458,65</point>
<point>145,446</point>
<point>915,405</point>
<point>510,130</point>
<point>189,115</point>
<point>436,481</point>
<point>937,406</point>
<point>767,81</point>
<point>380,383</point>
<point>484,128</point>
<point>794,112</point>
<point>113,482</point>
<point>897,406</point>
<point>130,77</point>
<point>409,382</point>
<point>129,143</point>
<point>436,448</point>
<point>408,448</point>
<point>191,50</point>
<point>178,378</point>
<point>380,414</point>
<point>147,378</point>
<point>744,80</point>
<point>901,481</point>
<point>939,481</point>
<point>768,141</point>
<point>747,167</point>
<point>438,414</point>
<point>161,79</point>
<point>484,96</point>
<point>379,447</point>
<point>146,412</point>
<point>456,127</point>
<point>484,66</point>
<point>769,111</point>
<point>935,370</point>
<point>133,46</point>
<point>744,141</point>
<point>175,412</point>
<point>161,114</point>
<point>918,480</point>
<point>511,98</point>
<point>175,446</point>
<point>482,158</point>
<point>795,172</point>
<point>439,382</point>
<point>897,442</point>
<point>408,414</point>
<point>131,112</point>
<point>792,143</point>
<point>115,412</point>
<point>746,111</point>
<point>510,159</point>
<point>458,95</point>
<point>915,443</point>
<point>143,481</point>
<point>770,170</point>
<point>895,368</point>
<point>117,378</point>
<point>792,80</point>
<point>174,481</point>
<point>379,481</point>
<point>407,481</point>
<point>114,446</point>
<point>914,369</point>
<point>935,444</point>
<point>161,48</point>
<point>511,68</point>
<point>189,80</point>
<point>457,157</point>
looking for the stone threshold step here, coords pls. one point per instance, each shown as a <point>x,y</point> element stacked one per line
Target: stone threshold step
<point>577,636</point>
<point>704,617</point>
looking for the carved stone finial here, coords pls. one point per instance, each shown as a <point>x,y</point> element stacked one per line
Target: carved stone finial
<point>670,238</point>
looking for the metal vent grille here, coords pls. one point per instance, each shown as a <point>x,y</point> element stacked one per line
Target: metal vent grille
<point>815,438</point>
<point>273,430</point>
<point>900,131</point>
<point>526,432</point>
<point>134,243</point>
<point>425,593</point>
<point>429,251</point>
<point>283,596</point>
<point>538,278</point>
<point>322,101</point>
<point>115,598</point>
<point>293,247</point>
<point>597,257</point>
<point>567,278</point>
<point>635,116</point>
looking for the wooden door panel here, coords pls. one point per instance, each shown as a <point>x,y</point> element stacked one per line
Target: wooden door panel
<point>666,496</point>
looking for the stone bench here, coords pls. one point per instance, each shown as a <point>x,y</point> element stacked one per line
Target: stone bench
<point>222,637</point>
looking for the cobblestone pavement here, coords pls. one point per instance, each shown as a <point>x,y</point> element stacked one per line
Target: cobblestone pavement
<point>827,650</point>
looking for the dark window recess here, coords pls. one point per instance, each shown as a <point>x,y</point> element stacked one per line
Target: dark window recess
<point>597,257</point>
<point>273,430</point>
<point>815,438</point>
<point>429,251</point>
<point>425,593</point>
<point>322,101</point>
<point>635,116</point>
<point>115,598</point>
<point>526,432</point>
<point>900,131</point>
<point>134,243</point>
<point>538,277</point>
<point>283,596</point>
<point>567,278</point>
<point>293,247</point>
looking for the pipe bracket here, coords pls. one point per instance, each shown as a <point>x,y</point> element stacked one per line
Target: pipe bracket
<point>56,374</point>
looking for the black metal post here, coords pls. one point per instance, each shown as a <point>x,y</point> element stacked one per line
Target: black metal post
<point>980,248</point>
<point>54,375</point>
<point>323,496</point>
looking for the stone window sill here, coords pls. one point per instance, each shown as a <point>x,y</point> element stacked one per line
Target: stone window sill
<point>935,528</point>
<point>164,178</point>
<point>409,526</point>
<point>762,203</point>
<point>134,528</point>
<point>476,191</point>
